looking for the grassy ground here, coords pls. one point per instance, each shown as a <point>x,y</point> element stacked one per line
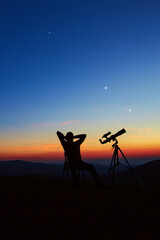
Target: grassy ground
<point>37,207</point>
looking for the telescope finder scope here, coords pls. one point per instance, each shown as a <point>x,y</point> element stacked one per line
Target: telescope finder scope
<point>106,134</point>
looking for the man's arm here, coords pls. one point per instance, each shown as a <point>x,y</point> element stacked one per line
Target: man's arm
<point>61,137</point>
<point>81,138</point>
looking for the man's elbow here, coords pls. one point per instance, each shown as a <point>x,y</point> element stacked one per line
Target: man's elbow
<point>85,135</point>
<point>59,134</point>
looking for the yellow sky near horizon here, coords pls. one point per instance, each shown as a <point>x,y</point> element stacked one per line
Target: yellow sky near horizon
<point>45,144</point>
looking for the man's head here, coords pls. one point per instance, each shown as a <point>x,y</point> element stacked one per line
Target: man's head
<point>69,137</point>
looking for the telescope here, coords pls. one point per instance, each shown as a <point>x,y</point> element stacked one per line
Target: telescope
<point>115,158</point>
<point>112,137</point>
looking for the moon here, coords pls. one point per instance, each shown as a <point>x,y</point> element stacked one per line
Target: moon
<point>130,110</point>
<point>105,87</point>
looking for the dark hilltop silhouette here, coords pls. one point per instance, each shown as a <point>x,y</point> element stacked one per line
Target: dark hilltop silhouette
<point>35,204</point>
<point>148,172</point>
<point>24,168</point>
<point>42,207</point>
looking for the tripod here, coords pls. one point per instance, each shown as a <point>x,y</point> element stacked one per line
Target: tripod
<point>115,162</point>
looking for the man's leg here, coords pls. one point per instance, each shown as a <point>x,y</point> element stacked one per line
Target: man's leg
<point>90,168</point>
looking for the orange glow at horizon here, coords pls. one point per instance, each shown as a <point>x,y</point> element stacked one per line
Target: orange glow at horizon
<point>53,152</point>
<point>46,147</point>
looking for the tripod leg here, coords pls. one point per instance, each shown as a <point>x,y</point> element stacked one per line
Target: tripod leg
<point>113,171</point>
<point>111,165</point>
<point>114,165</point>
<point>132,169</point>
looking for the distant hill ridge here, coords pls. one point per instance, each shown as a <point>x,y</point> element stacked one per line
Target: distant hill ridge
<point>149,172</point>
<point>152,163</point>
<point>20,167</point>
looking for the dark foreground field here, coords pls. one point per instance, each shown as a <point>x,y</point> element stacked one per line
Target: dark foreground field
<point>43,208</point>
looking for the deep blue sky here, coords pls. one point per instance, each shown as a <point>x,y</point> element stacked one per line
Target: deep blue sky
<point>56,57</point>
<point>92,44</point>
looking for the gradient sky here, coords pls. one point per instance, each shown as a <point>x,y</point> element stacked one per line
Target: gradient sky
<point>57,57</point>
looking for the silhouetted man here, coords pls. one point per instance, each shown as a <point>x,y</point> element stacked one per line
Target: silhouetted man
<point>72,151</point>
